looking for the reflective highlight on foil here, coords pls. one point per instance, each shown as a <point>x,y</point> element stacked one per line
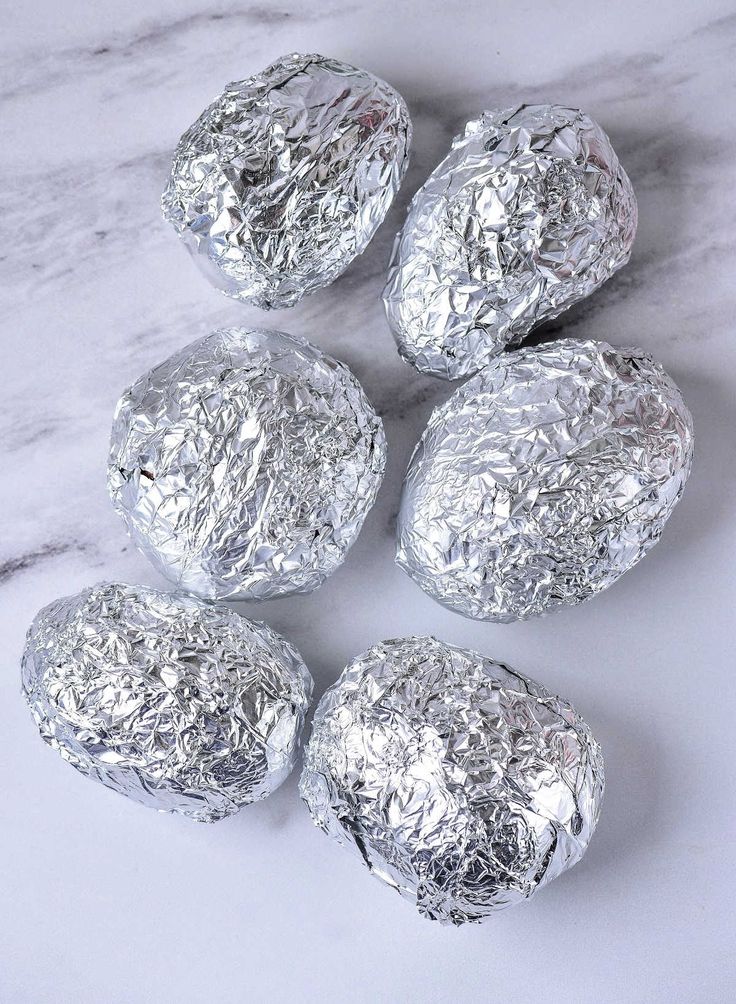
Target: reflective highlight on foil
<point>183,706</point>
<point>285,178</point>
<point>543,479</point>
<point>461,783</point>
<point>528,213</point>
<point>244,465</point>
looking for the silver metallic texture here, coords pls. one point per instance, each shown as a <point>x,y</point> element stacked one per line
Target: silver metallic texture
<point>462,784</point>
<point>528,213</point>
<point>182,705</point>
<point>244,465</point>
<point>285,178</point>
<point>543,479</point>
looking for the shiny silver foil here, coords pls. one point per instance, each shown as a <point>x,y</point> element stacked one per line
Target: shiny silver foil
<point>244,465</point>
<point>462,784</point>
<point>284,179</point>
<point>528,213</point>
<point>183,706</point>
<point>543,479</point>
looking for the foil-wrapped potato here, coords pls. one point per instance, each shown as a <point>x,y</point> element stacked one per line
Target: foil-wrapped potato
<point>285,178</point>
<point>182,705</point>
<point>528,213</point>
<point>543,479</point>
<point>244,465</point>
<point>461,783</point>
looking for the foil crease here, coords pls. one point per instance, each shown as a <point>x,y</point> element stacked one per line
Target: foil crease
<point>183,706</point>
<point>285,178</point>
<point>528,213</point>
<point>461,783</point>
<point>543,479</point>
<point>244,465</point>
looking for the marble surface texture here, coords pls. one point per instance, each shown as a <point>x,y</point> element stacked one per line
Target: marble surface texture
<point>103,900</point>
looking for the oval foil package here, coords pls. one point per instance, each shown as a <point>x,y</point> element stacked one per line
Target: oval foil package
<point>182,705</point>
<point>461,783</point>
<point>543,479</point>
<point>285,178</point>
<point>528,213</point>
<point>244,465</point>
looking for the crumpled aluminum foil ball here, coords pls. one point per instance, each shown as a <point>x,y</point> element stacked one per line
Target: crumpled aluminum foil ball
<point>182,705</point>
<point>462,784</point>
<point>528,213</point>
<point>244,465</point>
<point>543,479</point>
<point>285,178</point>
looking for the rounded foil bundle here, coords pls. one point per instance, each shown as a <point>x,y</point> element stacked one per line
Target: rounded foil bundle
<point>183,706</point>
<point>459,782</point>
<point>285,178</point>
<point>528,213</point>
<point>244,465</point>
<point>543,479</point>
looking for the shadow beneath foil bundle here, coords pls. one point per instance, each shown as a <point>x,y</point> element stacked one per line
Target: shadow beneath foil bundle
<point>282,809</point>
<point>276,812</point>
<point>436,121</point>
<point>665,169</point>
<point>709,499</point>
<point>632,822</point>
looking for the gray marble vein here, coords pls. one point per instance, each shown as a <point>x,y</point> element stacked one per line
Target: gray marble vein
<point>94,289</point>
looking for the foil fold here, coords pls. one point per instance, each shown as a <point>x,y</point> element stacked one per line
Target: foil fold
<point>529,213</point>
<point>285,178</point>
<point>459,782</point>
<point>181,705</point>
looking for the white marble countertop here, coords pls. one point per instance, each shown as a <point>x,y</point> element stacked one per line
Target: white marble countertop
<point>107,901</point>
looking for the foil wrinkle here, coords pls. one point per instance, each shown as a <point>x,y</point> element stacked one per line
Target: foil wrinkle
<point>244,465</point>
<point>529,212</point>
<point>459,782</point>
<point>181,705</point>
<point>543,479</point>
<point>285,178</point>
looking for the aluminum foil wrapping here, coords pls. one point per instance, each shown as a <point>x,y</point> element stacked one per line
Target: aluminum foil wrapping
<point>183,706</point>
<point>528,213</point>
<point>462,784</point>
<point>244,465</point>
<point>284,179</point>
<point>543,479</point>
